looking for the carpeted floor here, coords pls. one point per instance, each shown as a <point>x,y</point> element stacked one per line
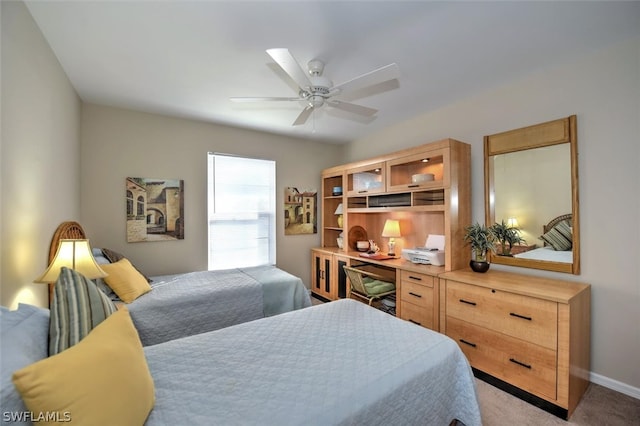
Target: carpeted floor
<point>599,406</point>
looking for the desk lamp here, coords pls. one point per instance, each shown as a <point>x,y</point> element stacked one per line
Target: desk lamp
<point>391,230</point>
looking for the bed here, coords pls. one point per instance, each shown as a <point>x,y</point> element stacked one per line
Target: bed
<point>337,363</point>
<point>557,242</point>
<point>184,304</point>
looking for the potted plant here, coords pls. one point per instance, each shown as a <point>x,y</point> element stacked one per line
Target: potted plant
<point>507,236</point>
<point>481,239</point>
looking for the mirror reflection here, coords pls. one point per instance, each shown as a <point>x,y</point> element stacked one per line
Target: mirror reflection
<point>531,201</point>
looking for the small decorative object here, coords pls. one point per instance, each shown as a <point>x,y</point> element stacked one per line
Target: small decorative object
<point>339,213</point>
<point>340,241</point>
<point>481,239</point>
<point>356,233</point>
<point>373,247</point>
<point>362,245</point>
<point>391,230</point>
<point>508,235</point>
<point>336,190</point>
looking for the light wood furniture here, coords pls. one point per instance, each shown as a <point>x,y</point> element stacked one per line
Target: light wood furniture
<point>530,333</point>
<point>382,188</point>
<point>419,298</point>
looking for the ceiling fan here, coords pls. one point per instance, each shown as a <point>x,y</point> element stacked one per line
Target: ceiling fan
<point>316,90</point>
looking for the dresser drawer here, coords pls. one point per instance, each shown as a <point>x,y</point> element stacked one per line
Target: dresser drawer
<point>523,364</point>
<point>417,314</point>
<point>416,294</point>
<point>525,318</point>
<point>413,277</point>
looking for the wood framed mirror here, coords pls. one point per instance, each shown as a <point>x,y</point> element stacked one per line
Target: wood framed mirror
<point>531,183</point>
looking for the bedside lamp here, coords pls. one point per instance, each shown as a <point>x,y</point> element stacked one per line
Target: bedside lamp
<point>76,255</point>
<point>512,222</point>
<point>338,212</point>
<point>391,230</point>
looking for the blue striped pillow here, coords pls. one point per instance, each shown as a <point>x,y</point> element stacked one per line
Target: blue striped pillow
<point>78,306</point>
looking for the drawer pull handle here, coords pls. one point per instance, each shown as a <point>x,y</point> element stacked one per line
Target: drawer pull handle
<point>467,302</point>
<point>520,316</point>
<point>415,322</point>
<point>413,186</point>
<point>473,345</point>
<point>363,192</point>
<point>522,364</point>
<point>415,278</point>
<point>414,294</point>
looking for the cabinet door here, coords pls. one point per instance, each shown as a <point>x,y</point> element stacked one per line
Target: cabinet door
<point>425,170</point>
<point>322,275</point>
<point>365,180</point>
<point>339,277</point>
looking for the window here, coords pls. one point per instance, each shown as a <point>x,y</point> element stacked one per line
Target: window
<point>241,211</point>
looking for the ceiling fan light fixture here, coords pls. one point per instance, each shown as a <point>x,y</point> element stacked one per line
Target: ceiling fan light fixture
<point>317,90</point>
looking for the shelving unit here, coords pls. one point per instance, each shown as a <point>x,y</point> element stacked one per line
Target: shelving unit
<point>382,188</point>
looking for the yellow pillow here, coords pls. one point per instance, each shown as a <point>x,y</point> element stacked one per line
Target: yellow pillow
<point>103,379</point>
<point>125,280</point>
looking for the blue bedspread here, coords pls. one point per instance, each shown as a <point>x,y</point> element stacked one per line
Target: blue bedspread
<point>196,302</point>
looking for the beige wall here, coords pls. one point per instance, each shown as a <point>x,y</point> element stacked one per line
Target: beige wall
<point>603,90</point>
<point>118,143</point>
<point>40,153</point>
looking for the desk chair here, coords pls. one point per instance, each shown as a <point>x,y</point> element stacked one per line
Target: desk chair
<point>368,285</point>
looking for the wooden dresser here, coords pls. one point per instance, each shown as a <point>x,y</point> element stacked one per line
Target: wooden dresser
<point>532,334</point>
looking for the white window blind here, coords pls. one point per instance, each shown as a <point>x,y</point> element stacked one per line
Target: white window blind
<point>242,207</point>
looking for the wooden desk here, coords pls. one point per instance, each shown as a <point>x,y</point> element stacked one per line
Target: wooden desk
<point>417,285</point>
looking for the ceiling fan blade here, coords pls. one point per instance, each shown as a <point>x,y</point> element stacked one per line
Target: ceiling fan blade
<point>388,72</point>
<point>347,106</point>
<point>289,65</point>
<point>267,99</point>
<point>304,116</point>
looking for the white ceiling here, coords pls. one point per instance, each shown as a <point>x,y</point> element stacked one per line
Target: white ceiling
<point>186,58</point>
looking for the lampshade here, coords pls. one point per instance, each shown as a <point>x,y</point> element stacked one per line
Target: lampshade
<point>512,222</point>
<point>76,255</point>
<point>338,209</point>
<point>391,228</point>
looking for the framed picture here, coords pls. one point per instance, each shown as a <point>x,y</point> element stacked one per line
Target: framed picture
<point>300,209</point>
<point>155,209</point>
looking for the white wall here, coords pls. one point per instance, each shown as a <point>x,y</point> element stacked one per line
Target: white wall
<point>603,90</point>
<point>40,155</point>
<point>118,143</point>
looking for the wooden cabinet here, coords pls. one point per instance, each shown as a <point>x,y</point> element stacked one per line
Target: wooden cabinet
<point>328,279</point>
<point>332,196</point>
<point>403,172</point>
<point>381,188</point>
<point>529,332</point>
<point>368,179</point>
<point>322,282</point>
<point>418,298</point>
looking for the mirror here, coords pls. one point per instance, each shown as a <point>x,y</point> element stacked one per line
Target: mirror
<point>531,183</point>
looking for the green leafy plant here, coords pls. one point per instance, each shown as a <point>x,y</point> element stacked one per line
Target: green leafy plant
<point>507,236</point>
<point>481,239</point>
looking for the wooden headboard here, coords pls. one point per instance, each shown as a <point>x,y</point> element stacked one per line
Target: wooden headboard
<point>65,231</point>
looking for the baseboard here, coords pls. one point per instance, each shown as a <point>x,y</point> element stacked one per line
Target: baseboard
<point>615,385</point>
